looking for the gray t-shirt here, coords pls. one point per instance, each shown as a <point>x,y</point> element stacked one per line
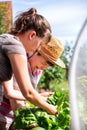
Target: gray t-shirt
<point>8,44</point>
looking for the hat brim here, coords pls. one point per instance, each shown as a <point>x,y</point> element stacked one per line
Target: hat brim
<point>58,62</point>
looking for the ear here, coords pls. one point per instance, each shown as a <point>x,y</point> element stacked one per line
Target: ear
<point>32,35</point>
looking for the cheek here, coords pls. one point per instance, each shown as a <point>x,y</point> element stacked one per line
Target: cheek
<point>42,63</point>
<point>45,65</point>
<point>37,43</point>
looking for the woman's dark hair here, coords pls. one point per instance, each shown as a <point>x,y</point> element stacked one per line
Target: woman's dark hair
<point>31,20</point>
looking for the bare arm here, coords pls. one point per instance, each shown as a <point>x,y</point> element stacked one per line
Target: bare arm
<point>10,92</point>
<point>20,69</point>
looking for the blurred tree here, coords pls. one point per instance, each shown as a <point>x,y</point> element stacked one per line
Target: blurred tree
<point>5,16</point>
<point>67,55</point>
<point>50,75</point>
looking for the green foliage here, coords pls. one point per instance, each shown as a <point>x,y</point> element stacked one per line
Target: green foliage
<point>27,116</point>
<point>24,117</point>
<point>61,99</point>
<point>52,74</point>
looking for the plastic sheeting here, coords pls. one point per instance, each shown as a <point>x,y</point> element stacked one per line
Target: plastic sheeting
<point>78,82</point>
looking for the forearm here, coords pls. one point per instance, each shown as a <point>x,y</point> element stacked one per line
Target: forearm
<point>10,92</point>
<point>17,95</point>
<point>17,104</point>
<point>36,99</point>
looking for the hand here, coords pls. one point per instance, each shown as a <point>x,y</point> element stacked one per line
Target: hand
<point>52,110</point>
<point>44,98</point>
<point>46,94</point>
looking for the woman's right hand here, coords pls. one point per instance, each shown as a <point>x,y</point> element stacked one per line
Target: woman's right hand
<point>52,110</point>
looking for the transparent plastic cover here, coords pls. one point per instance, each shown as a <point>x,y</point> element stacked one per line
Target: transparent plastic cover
<point>78,82</point>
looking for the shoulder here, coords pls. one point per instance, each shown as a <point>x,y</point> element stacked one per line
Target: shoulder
<point>11,44</point>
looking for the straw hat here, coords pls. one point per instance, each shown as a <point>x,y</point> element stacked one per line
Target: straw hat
<point>52,51</point>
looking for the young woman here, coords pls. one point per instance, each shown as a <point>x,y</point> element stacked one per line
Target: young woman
<point>29,32</point>
<point>36,63</point>
<point>12,93</point>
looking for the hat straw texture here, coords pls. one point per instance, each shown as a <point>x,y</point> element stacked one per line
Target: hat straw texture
<point>52,51</point>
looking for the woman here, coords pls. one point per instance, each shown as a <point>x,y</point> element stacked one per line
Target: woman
<point>12,93</point>
<point>46,56</point>
<point>30,30</point>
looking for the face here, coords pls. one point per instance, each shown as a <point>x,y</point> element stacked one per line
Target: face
<point>39,62</point>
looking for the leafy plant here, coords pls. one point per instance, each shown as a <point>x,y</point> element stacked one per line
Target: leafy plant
<point>61,99</point>
<point>24,117</point>
<point>52,74</point>
<point>27,116</point>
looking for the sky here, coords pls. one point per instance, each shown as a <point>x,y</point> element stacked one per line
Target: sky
<point>66,17</point>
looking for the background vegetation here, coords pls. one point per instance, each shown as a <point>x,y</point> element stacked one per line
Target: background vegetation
<point>5,17</point>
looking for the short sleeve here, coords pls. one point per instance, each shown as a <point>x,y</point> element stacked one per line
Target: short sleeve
<point>12,45</point>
